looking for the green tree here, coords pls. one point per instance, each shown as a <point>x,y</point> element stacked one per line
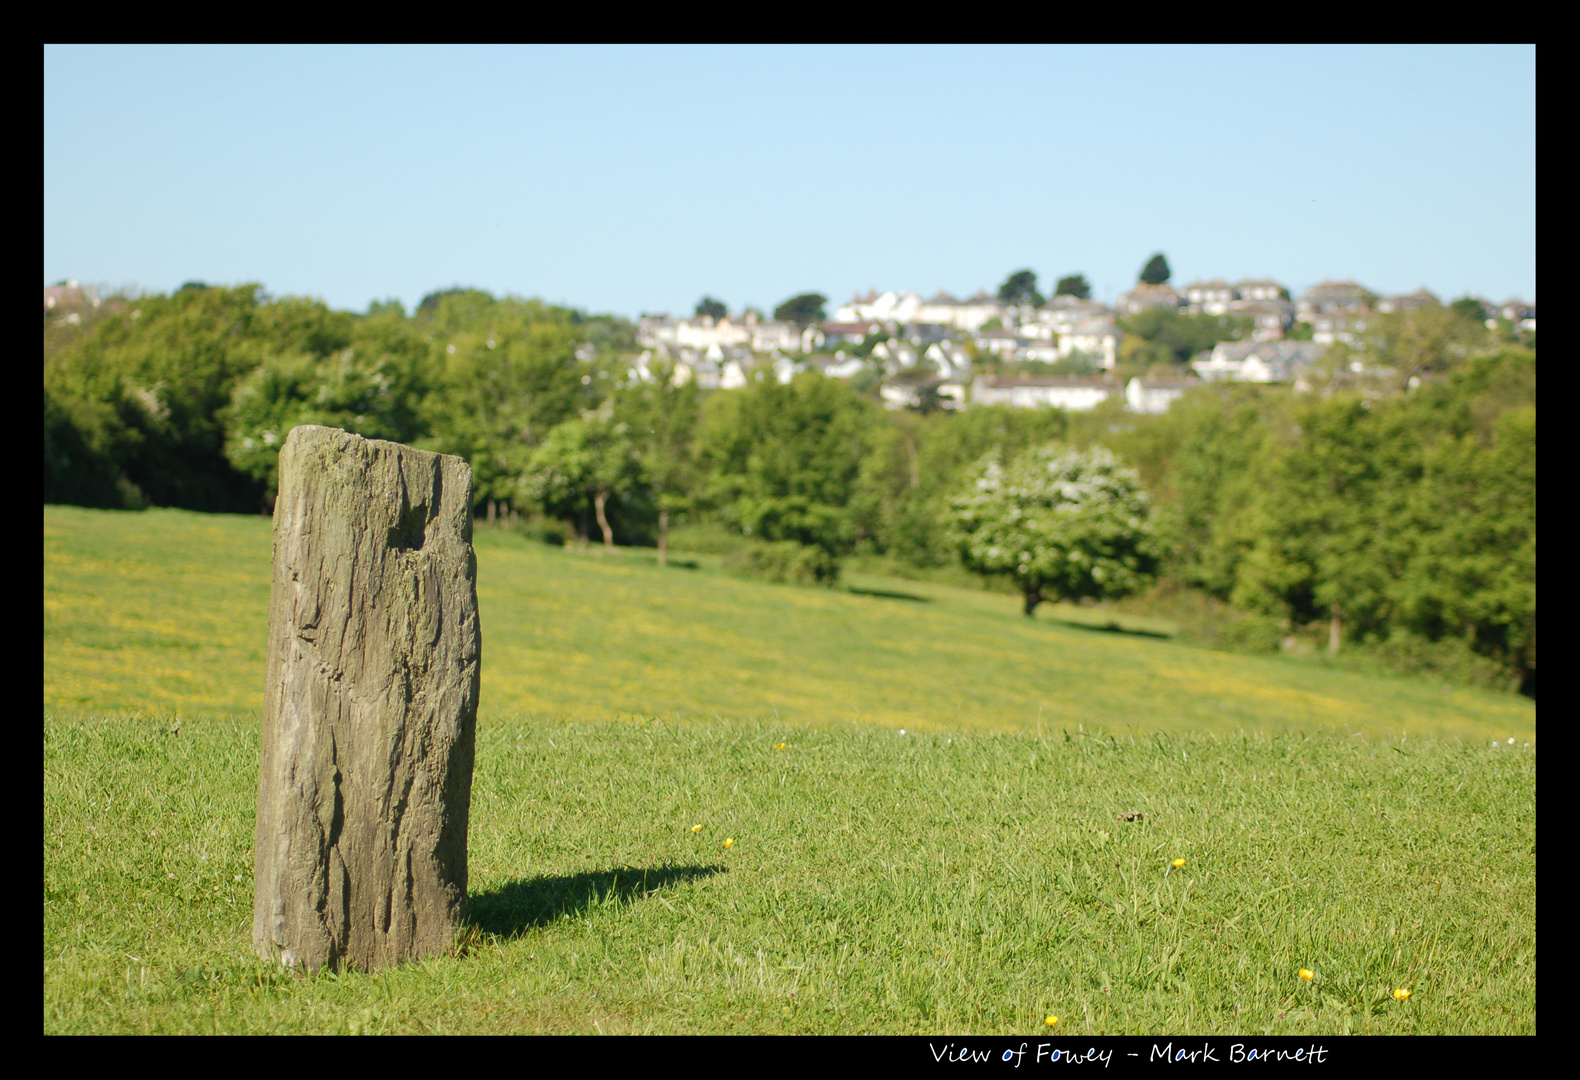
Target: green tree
<point>711,308</point>
<point>1468,307</point>
<point>782,459</point>
<point>1430,340</point>
<point>1021,288</point>
<point>1219,442</point>
<point>1174,337</point>
<point>139,397</point>
<point>913,464</point>
<point>662,418</point>
<point>1472,571</point>
<point>505,374</point>
<point>802,309</point>
<point>1156,271</point>
<point>1074,285</point>
<point>590,459</point>
<point>1407,514</point>
<point>1061,524</point>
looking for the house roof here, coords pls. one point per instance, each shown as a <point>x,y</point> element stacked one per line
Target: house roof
<point>1340,289</point>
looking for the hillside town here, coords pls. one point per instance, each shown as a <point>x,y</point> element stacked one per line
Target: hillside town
<point>1062,353</point>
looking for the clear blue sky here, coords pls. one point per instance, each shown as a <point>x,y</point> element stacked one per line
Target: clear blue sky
<point>638,179</point>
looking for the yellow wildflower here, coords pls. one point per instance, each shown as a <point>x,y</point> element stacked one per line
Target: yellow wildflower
<point>729,841</point>
<point>1307,974</point>
<point>1178,863</point>
<point>1401,994</point>
<point>779,746</point>
<point>696,828</point>
<point>1052,1020</point>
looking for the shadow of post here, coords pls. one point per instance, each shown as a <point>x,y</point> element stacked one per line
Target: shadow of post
<point>520,905</point>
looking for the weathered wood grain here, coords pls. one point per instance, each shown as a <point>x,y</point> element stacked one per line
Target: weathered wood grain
<point>370,708</point>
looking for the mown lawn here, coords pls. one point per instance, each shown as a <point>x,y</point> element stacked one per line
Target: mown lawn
<point>970,875</point>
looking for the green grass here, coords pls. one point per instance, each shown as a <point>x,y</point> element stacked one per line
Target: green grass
<point>968,876</point>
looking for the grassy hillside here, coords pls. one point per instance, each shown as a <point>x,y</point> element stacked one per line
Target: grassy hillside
<point>167,610</point>
<point>976,874</point>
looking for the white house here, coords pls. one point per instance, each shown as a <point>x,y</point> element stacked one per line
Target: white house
<point>1209,297</point>
<point>940,309</point>
<point>895,354</point>
<point>1269,318</point>
<point>1259,289</point>
<point>1096,338</point>
<point>1000,342</point>
<point>842,366</point>
<point>950,359</point>
<point>1063,312</point>
<point>980,308</point>
<point>1330,326</point>
<point>702,332</point>
<point>1155,395</point>
<point>1518,311</point>
<point>899,395</point>
<point>888,307</point>
<point>690,366</point>
<point>766,335</point>
<point>1421,298</point>
<point>1258,361</point>
<point>1072,392</point>
<point>1327,297</point>
<point>653,331</point>
<point>1146,297</point>
<point>853,333</point>
<point>733,376</point>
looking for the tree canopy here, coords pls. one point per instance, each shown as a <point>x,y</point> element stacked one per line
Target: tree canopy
<point>1062,524</point>
<point>711,308</point>
<point>1074,285</point>
<point>802,309</point>
<point>783,459</point>
<point>1156,271</point>
<point>1021,288</point>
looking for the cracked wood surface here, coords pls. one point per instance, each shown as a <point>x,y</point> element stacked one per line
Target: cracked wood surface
<point>370,706</point>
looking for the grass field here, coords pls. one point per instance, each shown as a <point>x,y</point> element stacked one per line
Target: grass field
<point>969,875</point>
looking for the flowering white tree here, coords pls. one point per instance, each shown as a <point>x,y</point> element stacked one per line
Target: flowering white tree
<point>1062,524</point>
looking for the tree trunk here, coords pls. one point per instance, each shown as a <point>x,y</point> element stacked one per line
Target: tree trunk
<point>490,511</point>
<point>370,705</point>
<point>1333,634</point>
<point>663,538</point>
<point>600,497</point>
<point>1033,598</point>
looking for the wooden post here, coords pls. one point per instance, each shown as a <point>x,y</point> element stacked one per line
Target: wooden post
<point>370,708</point>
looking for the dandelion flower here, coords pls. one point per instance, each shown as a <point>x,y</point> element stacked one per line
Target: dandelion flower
<point>1307,974</point>
<point>1401,994</point>
<point>729,841</point>
<point>696,828</point>
<point>1178,863</point>
<point>1050,1021</point>
<point>779,746</point>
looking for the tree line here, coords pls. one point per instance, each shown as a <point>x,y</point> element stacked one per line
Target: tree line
<point>1396,517</point>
